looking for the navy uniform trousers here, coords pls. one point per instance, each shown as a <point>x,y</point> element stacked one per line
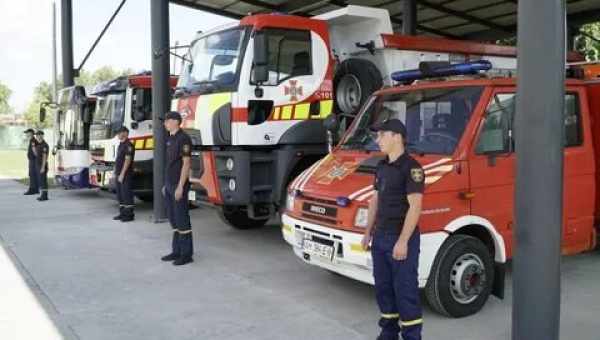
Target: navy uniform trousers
<point>125,196</point>
<point>42,179</point>
<point>397,287</point>
<point>34,184</point>
<point>179,218</point>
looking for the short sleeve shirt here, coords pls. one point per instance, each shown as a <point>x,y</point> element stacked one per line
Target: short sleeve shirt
<point>393,182</point>
<point>41,149</point>
<point>179,145</point>
<point>125,151</point>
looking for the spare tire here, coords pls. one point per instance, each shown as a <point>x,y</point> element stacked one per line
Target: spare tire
<point>354,81</point>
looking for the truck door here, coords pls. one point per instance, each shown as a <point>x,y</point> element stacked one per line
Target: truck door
<point>297,66</point>
<point>492,165</point>
<point>493,170</point>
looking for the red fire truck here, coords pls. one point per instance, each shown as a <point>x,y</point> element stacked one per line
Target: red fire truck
<point>461,131</point>
<point>254,96</point>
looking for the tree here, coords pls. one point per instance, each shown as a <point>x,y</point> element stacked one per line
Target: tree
<point>588,41</point>
<point>5,94</point>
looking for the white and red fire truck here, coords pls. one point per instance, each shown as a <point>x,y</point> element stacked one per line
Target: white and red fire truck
<point>125,101</point>
<point>461,131</point>
<point>254,96</point>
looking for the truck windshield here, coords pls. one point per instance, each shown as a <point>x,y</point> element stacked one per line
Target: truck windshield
<point>109,115</point>
<point>213,61</point>
<point>435,119</point>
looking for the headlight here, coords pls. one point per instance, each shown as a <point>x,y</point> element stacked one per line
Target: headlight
<point>229,164</point>
<point>362,217</point>
<point>232,184</point>
<point>289,205</point>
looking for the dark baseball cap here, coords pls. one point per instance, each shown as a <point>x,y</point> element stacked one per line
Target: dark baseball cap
<point>39,133</point>
<point>393,125</point>
<point>123,129</point>
<point>173,115</point>
<point>29,131</point>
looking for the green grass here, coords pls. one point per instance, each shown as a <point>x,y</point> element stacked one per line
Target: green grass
<point>13,164</point>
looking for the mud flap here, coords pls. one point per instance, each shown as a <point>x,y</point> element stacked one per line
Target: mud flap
<point>499,280</point>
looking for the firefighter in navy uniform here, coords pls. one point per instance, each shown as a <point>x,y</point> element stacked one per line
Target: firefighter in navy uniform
<point>177,186</point>
<point>124,173</point>
<point>41,151</point>
<point>34,187</point>
<point>394,235</point>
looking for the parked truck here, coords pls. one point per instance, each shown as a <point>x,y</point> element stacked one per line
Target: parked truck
<point>461,130</point>
<point>254,96</point>
<point>73,115</point>
<point>125,101</point>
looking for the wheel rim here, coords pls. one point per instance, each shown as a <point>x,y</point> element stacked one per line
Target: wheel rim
<point>348,93</point>
<point>467,278</point>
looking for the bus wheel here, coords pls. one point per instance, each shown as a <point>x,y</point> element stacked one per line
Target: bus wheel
<point>461,277</point>
<point>237,217</point>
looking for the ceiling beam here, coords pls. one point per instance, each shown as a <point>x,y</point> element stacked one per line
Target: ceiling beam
<point>467,17</point>
<point>197,5</point>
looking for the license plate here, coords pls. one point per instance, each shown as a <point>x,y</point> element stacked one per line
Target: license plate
<point>191,195</point>
<point>317,249</point>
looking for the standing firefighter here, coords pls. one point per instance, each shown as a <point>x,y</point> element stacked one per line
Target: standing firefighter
<point>123,171</point>
<point>34,187</point>
<point>176,190</point>
<point>41,164</point>
<point>393,216</point>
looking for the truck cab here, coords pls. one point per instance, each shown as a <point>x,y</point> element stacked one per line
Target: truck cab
<point>125,101</point>
<point>73,116</point>
<point>461,130</point>
<point>254,96</point>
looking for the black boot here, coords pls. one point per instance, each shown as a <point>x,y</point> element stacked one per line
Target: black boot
<point>183,260</point>
<point>128,215</point>
<point>43,196</point>
<point>170,257</point>
<point>30,192</point>
<point>120,215</point>
<point>174,248</point>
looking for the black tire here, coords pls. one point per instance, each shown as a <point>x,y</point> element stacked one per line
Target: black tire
<point>368,77</point>
<point>238,218</point>
<point>147,197</point>
<point>442,295</point>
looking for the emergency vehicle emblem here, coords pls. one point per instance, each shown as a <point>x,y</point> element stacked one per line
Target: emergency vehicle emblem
<point>337,171</point>
<point>186,148</point>
<point>417,175</point>
<point>293,90</point>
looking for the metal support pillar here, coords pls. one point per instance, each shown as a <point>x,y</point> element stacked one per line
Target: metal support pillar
<point>539,131</point>
<point>159,21</point>
<point>66,26</point>
<point>409,17</point>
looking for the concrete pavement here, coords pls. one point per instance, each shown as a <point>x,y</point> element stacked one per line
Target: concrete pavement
<point>100,279</point>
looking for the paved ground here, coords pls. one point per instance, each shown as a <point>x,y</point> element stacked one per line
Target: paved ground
<point>100,279</point>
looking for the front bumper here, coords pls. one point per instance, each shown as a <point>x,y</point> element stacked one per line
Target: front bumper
<point>348,257</point>
<point>73,179</point>
<point>102,176</point>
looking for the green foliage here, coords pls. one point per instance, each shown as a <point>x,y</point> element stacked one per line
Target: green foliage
<point>5,94</point>
<point>588,42</point>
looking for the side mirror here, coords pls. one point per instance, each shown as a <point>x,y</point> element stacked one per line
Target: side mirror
<point>42,112</point>
<point>139,98</point>
<point>260,71</point>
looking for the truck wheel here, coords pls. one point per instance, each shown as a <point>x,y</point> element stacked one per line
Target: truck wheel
<point>145,197</point>
<point>461,277</point>
<point>354,81</point>
<point>238,218</point>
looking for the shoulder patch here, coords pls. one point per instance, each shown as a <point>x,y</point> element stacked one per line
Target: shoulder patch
<point>186,148</point>
<point>129,148</point>
<point>417,175</point>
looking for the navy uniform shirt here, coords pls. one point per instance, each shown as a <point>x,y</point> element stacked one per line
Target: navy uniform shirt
<point>393,182</point>
<point>41,149</point>
<point>31,149</point>
<point>124,151</point>
<point>179,145</point>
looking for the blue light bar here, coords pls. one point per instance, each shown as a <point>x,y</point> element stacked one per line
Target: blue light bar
<point>342,201</point>
<point>473,67</point>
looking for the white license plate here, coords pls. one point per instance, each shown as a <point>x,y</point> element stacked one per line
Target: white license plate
<point>191,195</point>
<point>318,249</point>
